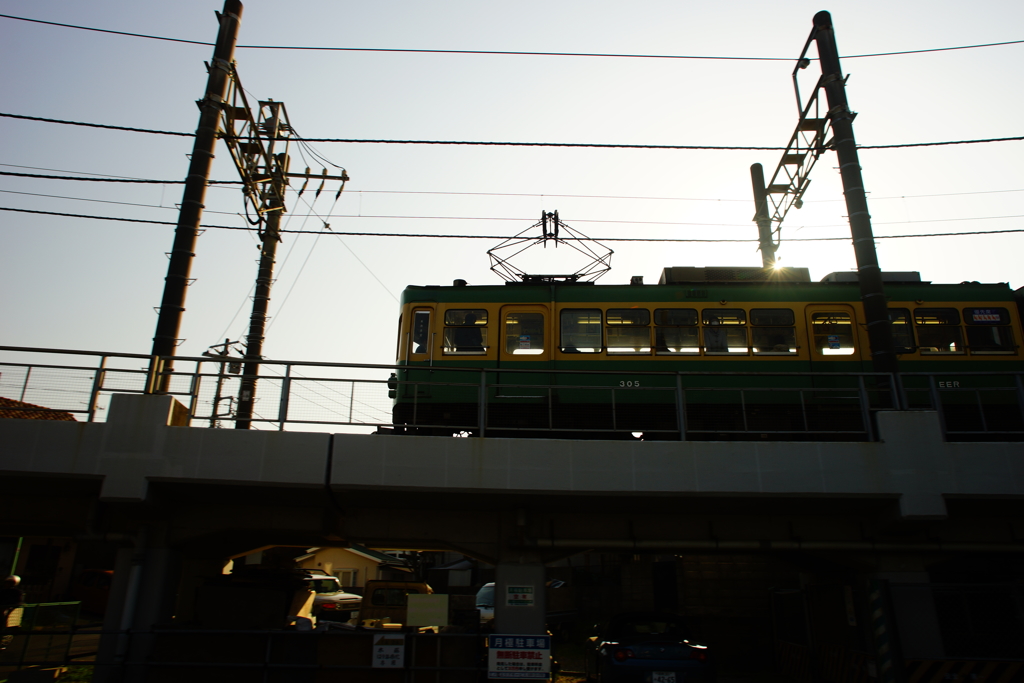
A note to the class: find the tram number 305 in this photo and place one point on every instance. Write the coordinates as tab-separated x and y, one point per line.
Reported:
629	383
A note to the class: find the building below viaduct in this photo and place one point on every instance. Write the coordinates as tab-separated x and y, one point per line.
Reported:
867	536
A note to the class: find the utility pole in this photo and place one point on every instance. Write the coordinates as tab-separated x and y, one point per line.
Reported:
872	294
252	141
764	222
173	303
227	362
274	202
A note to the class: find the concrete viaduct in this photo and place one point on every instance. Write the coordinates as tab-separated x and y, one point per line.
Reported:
180	501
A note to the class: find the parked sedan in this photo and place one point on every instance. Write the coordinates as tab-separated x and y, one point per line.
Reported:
647	647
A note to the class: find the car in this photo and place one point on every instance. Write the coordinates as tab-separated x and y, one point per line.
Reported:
647	647
330	601
485	603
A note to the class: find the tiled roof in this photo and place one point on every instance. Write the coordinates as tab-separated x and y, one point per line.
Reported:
18	410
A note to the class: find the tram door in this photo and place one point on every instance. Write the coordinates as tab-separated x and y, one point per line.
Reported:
525	344
417	349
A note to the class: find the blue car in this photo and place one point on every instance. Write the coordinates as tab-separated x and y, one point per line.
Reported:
647	647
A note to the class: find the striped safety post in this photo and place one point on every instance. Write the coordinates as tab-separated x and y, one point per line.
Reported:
882	632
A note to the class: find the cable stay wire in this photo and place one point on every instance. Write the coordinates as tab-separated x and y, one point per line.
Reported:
295	280
354	255
498	52
496	143
502	237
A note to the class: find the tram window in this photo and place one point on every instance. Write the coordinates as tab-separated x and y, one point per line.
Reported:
724	316
675	316
628	330
773	332
902	330
581	330
465	331
724	330
465	316
938	330
989	331
420	341
771	317
524	334
675	331
833	333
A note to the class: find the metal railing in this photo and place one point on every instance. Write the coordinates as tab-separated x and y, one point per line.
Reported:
505	402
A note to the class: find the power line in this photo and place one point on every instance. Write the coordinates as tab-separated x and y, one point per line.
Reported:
99	125
502	237
496	143
114	179
60	170
326	216
540	195
498	52
102	201
517	219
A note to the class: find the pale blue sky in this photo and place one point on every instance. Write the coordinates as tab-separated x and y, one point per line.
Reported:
75	283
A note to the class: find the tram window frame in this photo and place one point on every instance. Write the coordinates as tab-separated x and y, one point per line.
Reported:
773	324
458	338
533	333
730	321
900	337
625	325
671	336
595	318
937	329
419	334
818	332
996	324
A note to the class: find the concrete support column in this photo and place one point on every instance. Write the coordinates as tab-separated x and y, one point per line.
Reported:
120	611
519	597
154	606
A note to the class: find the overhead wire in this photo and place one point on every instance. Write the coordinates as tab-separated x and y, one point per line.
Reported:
223	183
502	237
499	52
496	143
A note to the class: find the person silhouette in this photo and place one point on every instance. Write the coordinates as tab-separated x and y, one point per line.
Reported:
468	339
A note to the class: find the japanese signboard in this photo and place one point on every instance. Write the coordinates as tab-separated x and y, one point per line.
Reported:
388	651
519	596
518	656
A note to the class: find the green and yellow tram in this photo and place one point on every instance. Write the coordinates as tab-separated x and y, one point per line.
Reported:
597	359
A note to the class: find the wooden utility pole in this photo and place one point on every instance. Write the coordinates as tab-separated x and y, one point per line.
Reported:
175	284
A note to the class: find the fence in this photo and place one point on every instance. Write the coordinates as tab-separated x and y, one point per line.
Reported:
505	402
259	655
45	635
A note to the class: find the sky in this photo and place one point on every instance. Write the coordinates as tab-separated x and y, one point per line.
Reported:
75	283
